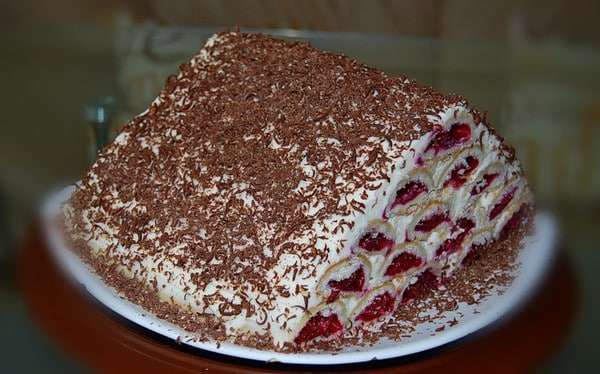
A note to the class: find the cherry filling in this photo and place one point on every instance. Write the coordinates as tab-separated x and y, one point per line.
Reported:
498	208
483	184
353	283
382	304
426	281
429	223
319	326
465	224
402	263
409	192
375	241
452	245
459	175
459	133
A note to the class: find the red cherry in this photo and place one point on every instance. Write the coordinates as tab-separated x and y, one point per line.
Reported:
409	192
375	241
382	304
403	262
448	247
431	222
353	283
465	224
319	326
499	207
457	134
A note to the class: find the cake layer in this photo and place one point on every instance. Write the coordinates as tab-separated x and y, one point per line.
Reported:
292	194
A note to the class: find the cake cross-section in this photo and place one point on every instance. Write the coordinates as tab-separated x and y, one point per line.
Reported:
275	195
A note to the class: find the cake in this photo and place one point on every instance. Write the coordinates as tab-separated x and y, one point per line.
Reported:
279	196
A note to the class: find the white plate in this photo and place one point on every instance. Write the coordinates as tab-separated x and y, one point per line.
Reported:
535	260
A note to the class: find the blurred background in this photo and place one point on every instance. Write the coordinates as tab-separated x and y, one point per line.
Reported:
533	65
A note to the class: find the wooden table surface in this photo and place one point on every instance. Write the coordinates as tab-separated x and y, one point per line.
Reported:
104	341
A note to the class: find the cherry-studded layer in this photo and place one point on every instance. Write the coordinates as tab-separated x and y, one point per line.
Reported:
420	237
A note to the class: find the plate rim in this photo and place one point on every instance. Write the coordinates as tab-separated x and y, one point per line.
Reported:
544	239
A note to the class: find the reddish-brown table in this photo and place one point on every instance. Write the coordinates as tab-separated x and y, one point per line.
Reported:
102	340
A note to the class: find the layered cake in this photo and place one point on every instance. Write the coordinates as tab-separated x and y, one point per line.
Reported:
278	195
